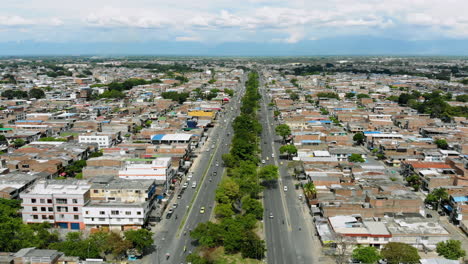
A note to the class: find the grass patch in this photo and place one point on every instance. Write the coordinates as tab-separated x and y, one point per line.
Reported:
218	256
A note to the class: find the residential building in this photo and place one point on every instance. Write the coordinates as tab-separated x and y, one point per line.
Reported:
57	202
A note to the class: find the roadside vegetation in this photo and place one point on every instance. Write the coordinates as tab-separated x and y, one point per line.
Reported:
238	208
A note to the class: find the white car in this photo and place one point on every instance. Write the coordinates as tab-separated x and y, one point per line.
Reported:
185	185
272	155
263	161
285	188
189	177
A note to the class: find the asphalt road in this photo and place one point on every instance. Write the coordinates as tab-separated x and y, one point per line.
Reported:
172	235
288	234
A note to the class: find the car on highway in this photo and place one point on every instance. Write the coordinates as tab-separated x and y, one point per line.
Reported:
202	210
271	215
272	155
194	184
263	161
217	164
215	173
169	213
189	177
179	196
212	146
264	142
285	188
174	206
185	185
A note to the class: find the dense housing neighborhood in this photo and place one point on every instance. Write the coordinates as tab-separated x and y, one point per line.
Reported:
233	160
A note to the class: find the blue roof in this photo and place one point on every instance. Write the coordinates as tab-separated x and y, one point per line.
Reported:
350	108
157	137
448	207
319	121
106	121
29	121
372	132
460	199
311	141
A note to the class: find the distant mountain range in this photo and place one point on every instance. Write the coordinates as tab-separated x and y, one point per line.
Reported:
330	46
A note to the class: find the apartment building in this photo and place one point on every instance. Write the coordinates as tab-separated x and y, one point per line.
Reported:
118	204
104	140
57	202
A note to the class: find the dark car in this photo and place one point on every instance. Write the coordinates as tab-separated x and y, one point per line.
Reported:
428	216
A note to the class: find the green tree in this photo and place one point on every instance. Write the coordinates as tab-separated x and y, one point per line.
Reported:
436	197
395	253
450	249
36	93
289	149
252	246
359	138
208	234
309	190
350	95
355	158
366	255
140	238
268	173
228	160
252	206
441	143
283	130
360	96
227	191
224	210
19	142
112	94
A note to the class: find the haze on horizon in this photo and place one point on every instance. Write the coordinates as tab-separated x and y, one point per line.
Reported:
221	27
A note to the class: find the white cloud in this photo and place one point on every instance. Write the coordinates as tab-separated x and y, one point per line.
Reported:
267	19
187	38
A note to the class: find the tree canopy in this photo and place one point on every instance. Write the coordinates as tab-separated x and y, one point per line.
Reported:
356	158
396	252
359	138
368	255
450	249
283	130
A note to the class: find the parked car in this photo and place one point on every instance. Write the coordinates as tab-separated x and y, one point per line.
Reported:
285	188
263	161
202	210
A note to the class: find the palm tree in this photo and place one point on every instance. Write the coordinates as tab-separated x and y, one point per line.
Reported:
309	190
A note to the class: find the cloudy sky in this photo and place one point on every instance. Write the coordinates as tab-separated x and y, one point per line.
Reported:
88	24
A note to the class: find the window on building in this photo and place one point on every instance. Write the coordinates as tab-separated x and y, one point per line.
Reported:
76	217
34	209
61	201
75	209
49	200
75	201
114	212
138	213
95	191
386	239
43	209
102	212
87	212
51	217
42	201
62	209
128	213
111	198
62	216
376	239
44	216
50	209
35	217
33	200
102	219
